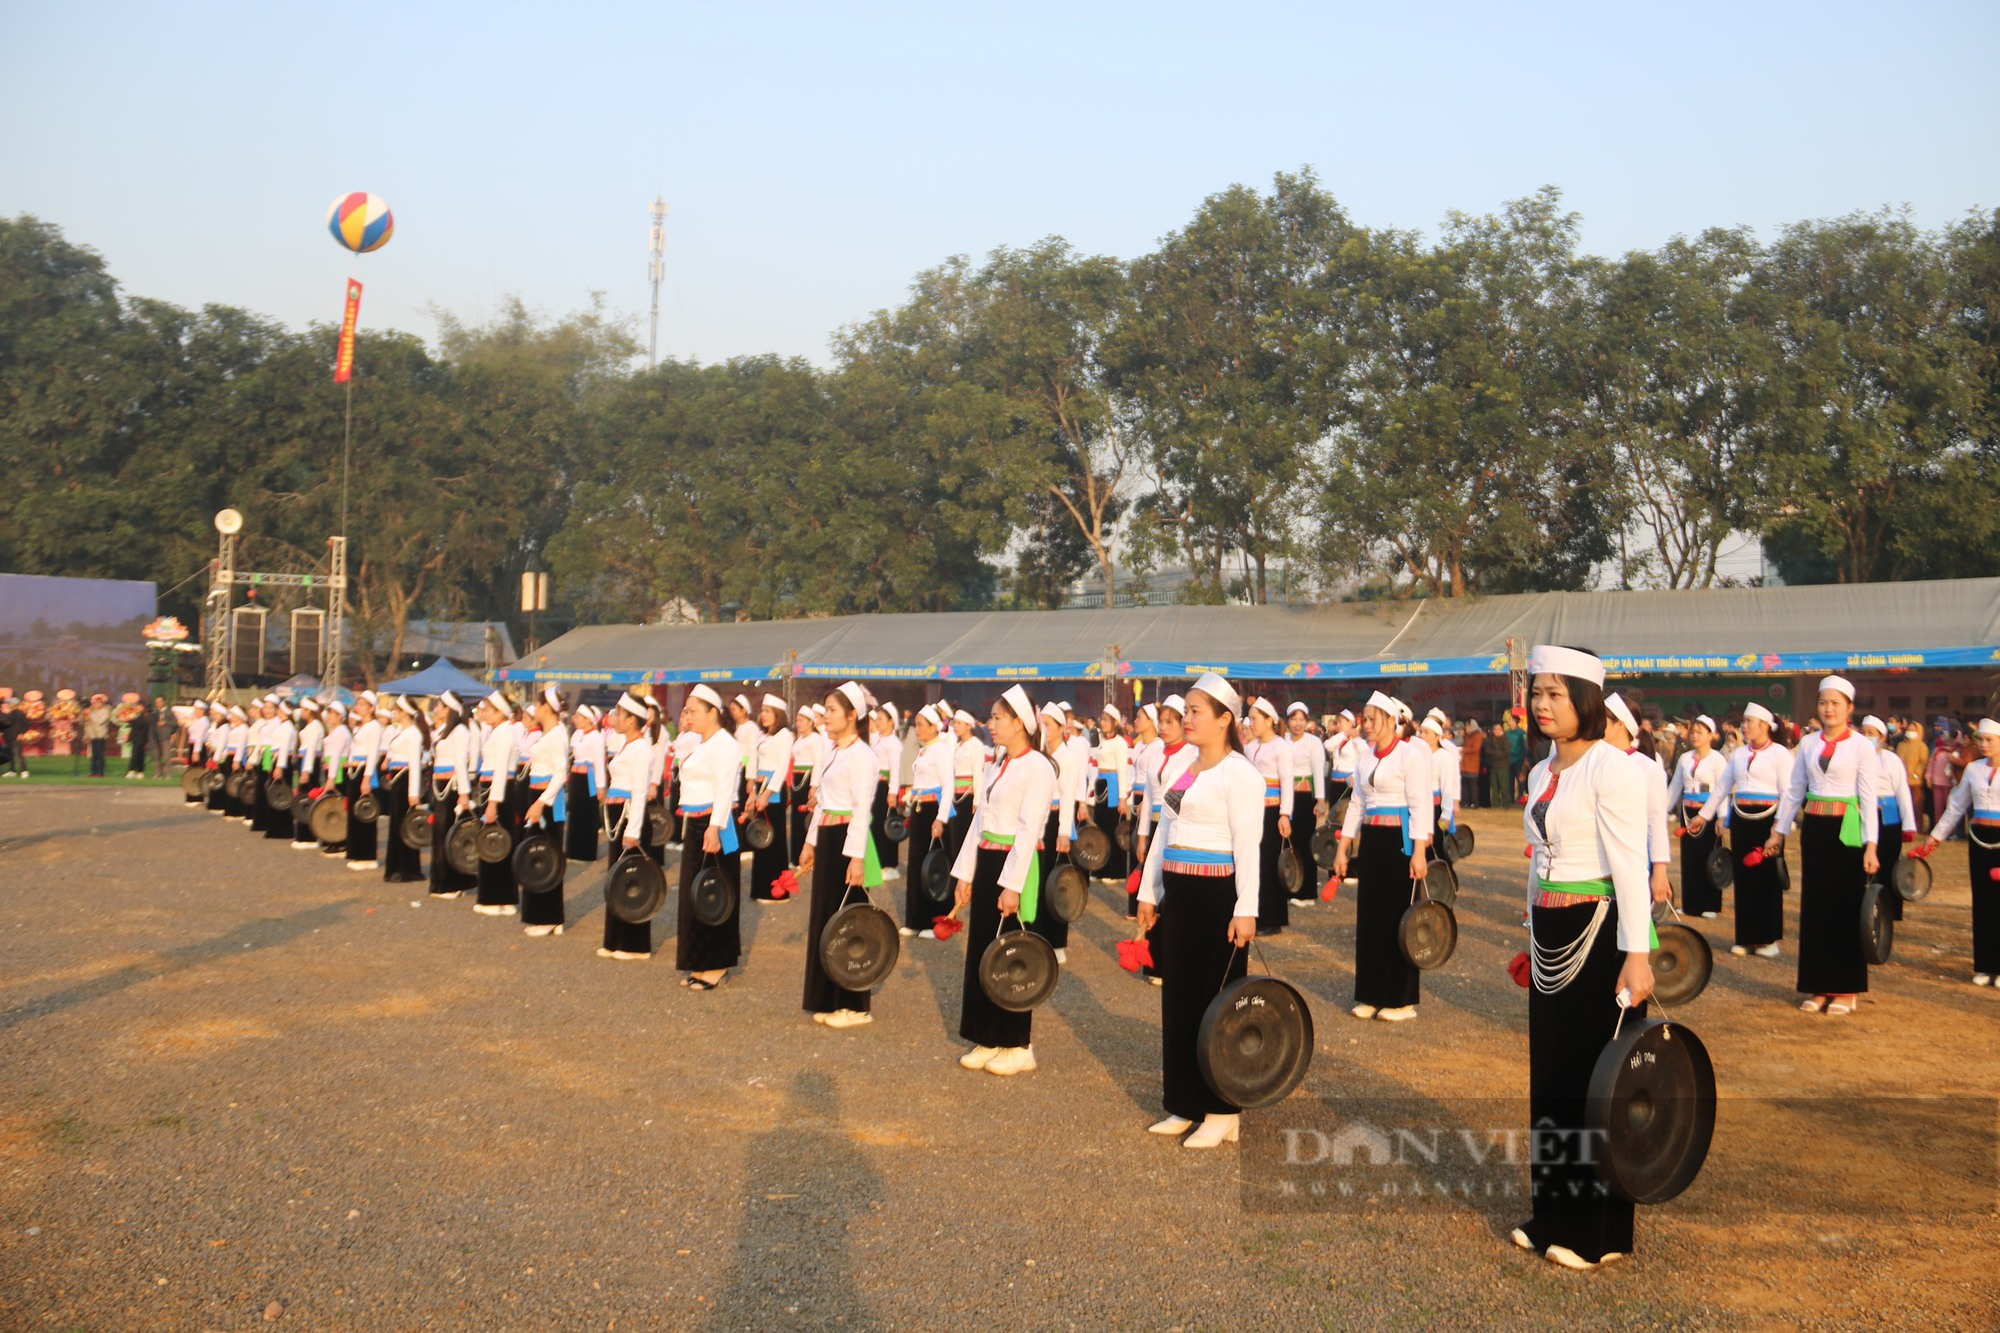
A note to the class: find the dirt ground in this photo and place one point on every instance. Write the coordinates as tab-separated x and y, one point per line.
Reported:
244	1084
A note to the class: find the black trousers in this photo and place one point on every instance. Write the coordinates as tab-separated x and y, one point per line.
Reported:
580	834
1274	908
1760	900
97	749
1698	892
623	936
1567	1031
830	892
1382	976
700	948
1830	885
1191	945
798	817
980	1021
1046	923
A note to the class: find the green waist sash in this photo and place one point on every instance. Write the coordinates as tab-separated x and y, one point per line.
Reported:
1591	888
1031	892
1850	819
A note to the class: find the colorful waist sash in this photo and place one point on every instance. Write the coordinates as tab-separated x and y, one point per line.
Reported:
1847	809
1197	861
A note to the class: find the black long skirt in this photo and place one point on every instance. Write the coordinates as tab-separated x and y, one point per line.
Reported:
1046	923
918	908
401	863
254	808
830	892
1982	862
1830	884
1887	852
766	865
1382	976
1191	945
496	878
700	948
1119	864
980	1021
301	804
546	907
445	879
580	831
961	822
215	800
1760	901
277	823
622	936
1304	815
1698	891
1567	1031
1274	906
798	816
885	847
361	839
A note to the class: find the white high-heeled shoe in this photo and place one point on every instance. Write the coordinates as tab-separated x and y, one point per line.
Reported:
1215	1130
1173	1124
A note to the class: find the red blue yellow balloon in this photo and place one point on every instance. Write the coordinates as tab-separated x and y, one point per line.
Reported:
361	222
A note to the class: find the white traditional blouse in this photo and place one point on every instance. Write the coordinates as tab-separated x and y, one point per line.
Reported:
496	761
710	774
1166	770
968	771
1114	765
1309	766
1659	843
774	764
1342	754
1977	794
1444	782
312	739
339	744
1893	792
630	776
365	750
931	775
888	757
548	758
1756	776
1273	759
586	756
1221	812
450	766
847	782
1072	763
1016	805
1594	829
1846	769
1695	778
1397	781
403	756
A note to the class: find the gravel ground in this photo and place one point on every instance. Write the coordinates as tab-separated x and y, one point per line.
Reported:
244	1086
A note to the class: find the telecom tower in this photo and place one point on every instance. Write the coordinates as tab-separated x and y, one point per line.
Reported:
656	246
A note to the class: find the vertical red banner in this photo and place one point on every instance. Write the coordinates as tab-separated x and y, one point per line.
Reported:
343	366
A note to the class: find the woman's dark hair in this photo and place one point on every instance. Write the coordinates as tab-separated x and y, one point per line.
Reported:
835	699
423	726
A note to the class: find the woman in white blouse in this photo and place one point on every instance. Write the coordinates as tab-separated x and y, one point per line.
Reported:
452	762
333	763
888	749
402	788
499	757
1199	896
1308	797
586	785
929	815
1899	817
709	781
806	752
1696	776
626	797
770	776
1386	834
548	801
1069	805
1836	782
999	875
1746	800
837	849
1271	754
1976	800
968	774
1112	787
1586	828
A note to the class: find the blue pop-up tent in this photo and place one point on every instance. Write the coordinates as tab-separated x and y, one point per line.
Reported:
435	679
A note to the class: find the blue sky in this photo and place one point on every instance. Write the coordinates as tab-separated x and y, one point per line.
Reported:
817	156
